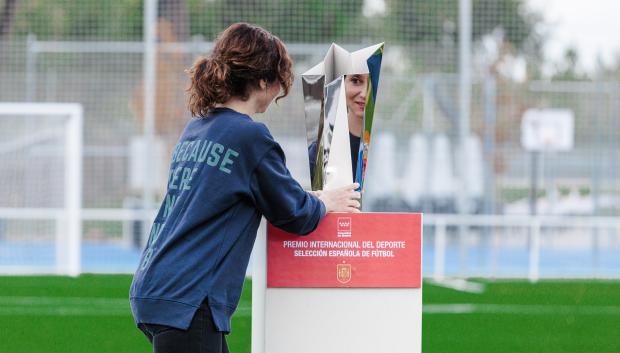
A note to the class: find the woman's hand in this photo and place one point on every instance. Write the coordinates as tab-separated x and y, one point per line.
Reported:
316	193
344	199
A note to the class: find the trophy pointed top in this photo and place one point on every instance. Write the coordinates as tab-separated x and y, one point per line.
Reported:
338	62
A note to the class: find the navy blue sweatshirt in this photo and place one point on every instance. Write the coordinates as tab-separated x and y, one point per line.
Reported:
226	172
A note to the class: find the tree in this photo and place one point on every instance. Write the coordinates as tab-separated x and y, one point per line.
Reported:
291	20
433	20
6	22
176	13
173	25
406	22
6	18
567	69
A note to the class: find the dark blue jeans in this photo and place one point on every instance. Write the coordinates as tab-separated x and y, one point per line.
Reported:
201	337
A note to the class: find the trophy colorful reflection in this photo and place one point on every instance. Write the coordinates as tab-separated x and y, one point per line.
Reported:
340	89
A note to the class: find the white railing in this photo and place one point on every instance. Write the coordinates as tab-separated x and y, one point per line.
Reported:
532	227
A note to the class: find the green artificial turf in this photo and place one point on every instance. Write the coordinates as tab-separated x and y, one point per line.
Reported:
91	314
518	316
88	314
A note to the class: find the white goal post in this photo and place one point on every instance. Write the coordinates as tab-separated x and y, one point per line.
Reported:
67	218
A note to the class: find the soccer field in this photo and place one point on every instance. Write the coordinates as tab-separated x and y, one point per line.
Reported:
91	314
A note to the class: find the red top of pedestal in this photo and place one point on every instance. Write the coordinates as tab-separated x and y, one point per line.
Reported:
350	250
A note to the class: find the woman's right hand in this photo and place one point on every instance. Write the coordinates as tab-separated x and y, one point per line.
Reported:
344	199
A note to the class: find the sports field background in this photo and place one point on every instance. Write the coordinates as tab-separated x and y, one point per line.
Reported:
96	53
91	314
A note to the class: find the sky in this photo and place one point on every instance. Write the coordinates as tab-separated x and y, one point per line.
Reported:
591	26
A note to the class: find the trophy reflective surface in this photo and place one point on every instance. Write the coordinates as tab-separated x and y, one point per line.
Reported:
335	158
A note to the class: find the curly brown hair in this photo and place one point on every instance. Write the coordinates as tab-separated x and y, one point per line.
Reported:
243	55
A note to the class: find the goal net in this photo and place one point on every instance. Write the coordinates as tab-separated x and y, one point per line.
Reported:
40	188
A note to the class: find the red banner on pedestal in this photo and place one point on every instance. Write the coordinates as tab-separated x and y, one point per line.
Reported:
357	250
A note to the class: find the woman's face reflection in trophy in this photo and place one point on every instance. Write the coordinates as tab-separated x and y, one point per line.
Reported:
356	87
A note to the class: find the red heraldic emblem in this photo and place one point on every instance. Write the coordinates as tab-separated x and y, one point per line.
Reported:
366	250
344	273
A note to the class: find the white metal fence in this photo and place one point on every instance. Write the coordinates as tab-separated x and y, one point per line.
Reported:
589	237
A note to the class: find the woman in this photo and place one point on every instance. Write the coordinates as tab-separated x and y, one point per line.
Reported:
355	87
226	172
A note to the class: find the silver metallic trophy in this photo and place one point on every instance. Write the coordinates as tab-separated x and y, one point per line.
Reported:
334	161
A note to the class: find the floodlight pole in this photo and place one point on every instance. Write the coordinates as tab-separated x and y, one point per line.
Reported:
149	81
464	91
463	122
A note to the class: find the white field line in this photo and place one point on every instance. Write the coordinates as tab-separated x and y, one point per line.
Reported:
460	285
84	306
524	309
73	306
